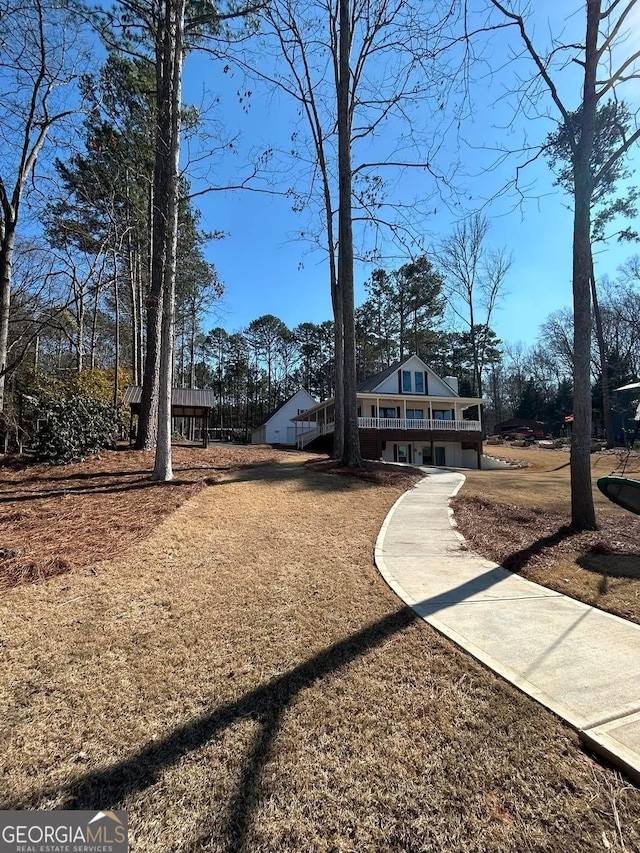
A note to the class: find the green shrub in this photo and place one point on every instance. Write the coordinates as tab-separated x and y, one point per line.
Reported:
75	424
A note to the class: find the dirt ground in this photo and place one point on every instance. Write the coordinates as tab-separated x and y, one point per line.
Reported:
521	518
241	679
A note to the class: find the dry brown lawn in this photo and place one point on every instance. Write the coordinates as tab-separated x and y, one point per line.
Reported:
521	518
57	518
241	679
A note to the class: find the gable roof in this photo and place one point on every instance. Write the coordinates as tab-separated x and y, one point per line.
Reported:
281	406
372	382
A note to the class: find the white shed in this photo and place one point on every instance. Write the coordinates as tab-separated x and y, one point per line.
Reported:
278	428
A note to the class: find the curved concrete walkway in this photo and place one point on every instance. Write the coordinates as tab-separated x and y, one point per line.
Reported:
578	661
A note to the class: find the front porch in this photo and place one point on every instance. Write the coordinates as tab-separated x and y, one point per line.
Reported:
440	424
427	427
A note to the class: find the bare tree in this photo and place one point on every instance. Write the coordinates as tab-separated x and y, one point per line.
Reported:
364	83
606	63
40	297
556	335
38	65
474	278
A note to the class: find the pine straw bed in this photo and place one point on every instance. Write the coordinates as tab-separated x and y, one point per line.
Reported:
521	519
243	680
600	567
57	518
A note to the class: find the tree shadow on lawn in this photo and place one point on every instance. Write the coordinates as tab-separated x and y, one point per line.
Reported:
604	562
106	489
89	476
329	476
108	788
314	478
93	484
520	559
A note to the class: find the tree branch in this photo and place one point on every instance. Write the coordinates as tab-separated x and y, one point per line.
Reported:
519	22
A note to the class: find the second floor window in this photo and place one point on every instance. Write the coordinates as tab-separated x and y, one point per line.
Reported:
387	412
413	382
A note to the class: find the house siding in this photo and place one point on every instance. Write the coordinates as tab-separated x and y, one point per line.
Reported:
277	430
433	384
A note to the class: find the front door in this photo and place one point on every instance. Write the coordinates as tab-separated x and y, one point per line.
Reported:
402	453
440	456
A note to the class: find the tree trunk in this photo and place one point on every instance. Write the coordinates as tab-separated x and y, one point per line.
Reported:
351	452
7	245
141	336
338	361
336	297
148	420
162	469
604	361
149	406
80	332
171	100
401	321
132	269
181	348
94	327
116	301
192	351
582	508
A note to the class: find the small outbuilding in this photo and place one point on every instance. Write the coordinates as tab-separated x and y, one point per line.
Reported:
278	428
191	404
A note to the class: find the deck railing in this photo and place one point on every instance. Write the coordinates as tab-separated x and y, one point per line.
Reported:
419	423
394	423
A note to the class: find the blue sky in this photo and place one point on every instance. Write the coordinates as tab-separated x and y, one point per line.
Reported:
266	270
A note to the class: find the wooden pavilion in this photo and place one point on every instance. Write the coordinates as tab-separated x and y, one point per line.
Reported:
192	404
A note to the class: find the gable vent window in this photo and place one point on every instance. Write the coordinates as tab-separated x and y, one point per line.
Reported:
419	379
406	381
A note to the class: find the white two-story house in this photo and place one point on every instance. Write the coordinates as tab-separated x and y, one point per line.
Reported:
406	413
